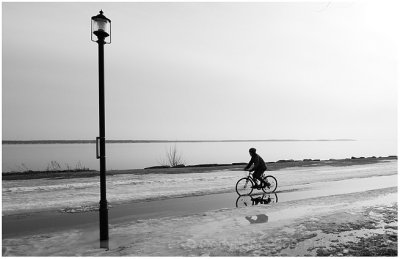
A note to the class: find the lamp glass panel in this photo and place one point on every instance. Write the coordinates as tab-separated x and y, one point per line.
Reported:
101	25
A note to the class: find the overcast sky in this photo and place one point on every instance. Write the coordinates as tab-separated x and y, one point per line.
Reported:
177	71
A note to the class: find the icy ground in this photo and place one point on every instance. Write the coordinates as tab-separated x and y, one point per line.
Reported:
23	196
334	225
344	224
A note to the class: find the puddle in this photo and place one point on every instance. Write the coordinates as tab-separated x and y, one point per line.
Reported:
320	189
340	187
256	199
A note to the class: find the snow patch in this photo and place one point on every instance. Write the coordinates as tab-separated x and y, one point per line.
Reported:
44	194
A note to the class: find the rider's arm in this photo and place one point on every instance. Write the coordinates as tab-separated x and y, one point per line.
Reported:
256	161
249	164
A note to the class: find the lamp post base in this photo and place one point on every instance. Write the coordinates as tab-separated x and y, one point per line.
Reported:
103	224
104	244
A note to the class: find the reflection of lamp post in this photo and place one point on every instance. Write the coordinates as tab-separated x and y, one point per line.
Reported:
101	27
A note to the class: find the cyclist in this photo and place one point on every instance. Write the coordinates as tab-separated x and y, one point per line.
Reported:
259	167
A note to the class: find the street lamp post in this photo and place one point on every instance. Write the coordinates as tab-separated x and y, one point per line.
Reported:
101	28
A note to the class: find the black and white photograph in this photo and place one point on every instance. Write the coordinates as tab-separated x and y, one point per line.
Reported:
191	129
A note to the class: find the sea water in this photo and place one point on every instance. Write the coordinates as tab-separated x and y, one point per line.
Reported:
22	157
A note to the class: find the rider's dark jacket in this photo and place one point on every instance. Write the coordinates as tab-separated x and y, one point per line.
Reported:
259	164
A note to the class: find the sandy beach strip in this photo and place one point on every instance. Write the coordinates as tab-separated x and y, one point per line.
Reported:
271	166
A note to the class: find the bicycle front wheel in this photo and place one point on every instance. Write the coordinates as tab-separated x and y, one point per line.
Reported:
243	201
270	184
244	186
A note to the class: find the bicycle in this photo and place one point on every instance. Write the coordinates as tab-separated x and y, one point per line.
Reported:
245	185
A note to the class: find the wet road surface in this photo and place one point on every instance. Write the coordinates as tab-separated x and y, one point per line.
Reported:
43	222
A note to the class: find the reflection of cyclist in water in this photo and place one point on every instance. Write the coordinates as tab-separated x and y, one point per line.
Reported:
257	199
259	167
260	200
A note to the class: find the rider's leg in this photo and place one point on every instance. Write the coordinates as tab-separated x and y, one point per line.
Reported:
257	176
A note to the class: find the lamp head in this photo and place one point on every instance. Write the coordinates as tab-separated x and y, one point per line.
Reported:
101	28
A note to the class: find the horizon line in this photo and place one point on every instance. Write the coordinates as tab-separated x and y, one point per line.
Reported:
162	141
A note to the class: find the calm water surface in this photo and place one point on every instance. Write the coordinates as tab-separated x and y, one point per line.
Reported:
140	155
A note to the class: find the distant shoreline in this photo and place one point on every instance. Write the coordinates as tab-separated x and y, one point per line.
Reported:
22	142
201	168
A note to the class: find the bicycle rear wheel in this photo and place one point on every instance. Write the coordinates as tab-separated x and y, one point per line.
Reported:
244	186
271	184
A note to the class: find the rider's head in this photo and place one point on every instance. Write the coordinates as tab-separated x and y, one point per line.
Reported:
252	151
